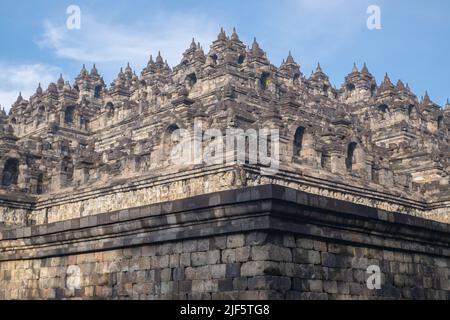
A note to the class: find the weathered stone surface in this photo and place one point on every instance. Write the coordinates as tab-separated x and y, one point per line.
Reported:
77	150
93	207
285	261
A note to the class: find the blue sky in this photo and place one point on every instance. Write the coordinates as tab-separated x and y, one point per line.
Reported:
413	44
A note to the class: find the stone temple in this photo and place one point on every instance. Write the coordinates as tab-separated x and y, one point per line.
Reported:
91	207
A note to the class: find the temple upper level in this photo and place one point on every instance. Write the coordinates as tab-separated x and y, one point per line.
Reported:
381	136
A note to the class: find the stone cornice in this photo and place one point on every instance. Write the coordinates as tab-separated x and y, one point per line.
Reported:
271	207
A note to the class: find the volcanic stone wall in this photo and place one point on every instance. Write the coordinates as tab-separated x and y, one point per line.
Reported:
266	242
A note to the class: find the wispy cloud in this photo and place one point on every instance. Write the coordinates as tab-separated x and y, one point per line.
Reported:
313	29
318	29
24	78
106	42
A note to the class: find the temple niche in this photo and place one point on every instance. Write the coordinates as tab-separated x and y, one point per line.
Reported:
304	146
10	174
375	136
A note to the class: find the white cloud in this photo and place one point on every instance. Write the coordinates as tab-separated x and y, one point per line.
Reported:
316	29
105	42
109	45
24	78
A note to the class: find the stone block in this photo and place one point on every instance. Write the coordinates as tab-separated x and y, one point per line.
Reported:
307	244
163	261
225	285
256	239
330	287
185	260
257	268
174	260
185	286
306	256
219	271
198	286
166	274
190	273
271	252
343	288
235	241
289	241
203	273
243	254
240	284
213	257
198	259
233	270
218	243
229	296
320	246
280	284
329	260
169	287
178	274
229	256
190	246
315	285
203	245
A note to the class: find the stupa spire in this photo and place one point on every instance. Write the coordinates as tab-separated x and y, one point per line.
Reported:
222	35
234	35
290	59
318	68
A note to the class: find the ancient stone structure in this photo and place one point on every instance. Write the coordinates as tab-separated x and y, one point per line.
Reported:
92	206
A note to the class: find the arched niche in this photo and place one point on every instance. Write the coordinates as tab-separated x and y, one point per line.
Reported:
265	80
40	184
383	110
110	110
191	80
69	115
325	160
98	91
40	117
303	145
440	122
10	174
351	157
241	59
172	137
214	58
298	142
350	87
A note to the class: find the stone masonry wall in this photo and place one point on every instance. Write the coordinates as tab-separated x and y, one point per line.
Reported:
243	266
257	243
159	188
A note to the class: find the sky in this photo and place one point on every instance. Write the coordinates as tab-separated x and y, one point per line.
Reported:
412	45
